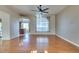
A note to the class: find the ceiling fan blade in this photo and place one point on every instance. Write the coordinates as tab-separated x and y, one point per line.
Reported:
45	9
35	10
45	12
38	8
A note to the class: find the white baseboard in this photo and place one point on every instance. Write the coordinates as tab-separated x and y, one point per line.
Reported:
68	40
42	33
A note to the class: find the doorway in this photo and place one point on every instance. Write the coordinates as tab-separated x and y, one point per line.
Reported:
0	28
24	27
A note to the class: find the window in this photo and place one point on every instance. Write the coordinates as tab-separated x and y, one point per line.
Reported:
42	24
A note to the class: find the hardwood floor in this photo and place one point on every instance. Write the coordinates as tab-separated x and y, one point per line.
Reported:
37	44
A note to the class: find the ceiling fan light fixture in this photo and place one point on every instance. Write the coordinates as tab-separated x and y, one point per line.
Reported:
41	9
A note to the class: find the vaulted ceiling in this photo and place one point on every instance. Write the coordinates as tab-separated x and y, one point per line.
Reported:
27	9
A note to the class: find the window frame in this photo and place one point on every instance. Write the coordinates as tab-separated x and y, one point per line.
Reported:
43	31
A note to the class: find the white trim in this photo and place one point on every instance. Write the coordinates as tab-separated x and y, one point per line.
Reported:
39	34
42	33
68	40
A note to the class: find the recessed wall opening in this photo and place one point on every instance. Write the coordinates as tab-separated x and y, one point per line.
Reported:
42	23
0	28
24	27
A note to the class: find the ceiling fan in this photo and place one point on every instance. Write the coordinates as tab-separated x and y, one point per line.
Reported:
41	9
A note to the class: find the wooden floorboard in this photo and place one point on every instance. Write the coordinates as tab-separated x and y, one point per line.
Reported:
37	44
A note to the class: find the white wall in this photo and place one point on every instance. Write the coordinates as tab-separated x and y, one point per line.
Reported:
5	25
67	24
51	25
14	26
10	23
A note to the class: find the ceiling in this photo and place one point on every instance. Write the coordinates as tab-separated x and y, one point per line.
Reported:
27	9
